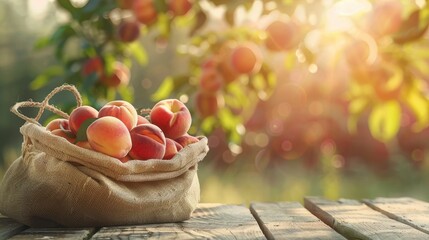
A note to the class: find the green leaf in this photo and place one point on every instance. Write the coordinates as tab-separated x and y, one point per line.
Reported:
419	104
200	20
139	52
160	6
208	124
170	85
126	93
66	5
42	43
414	27
357	105
43	79
385	120
81	133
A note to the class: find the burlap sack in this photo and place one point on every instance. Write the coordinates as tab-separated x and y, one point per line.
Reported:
55	182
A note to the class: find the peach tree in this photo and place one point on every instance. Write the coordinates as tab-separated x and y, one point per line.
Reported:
292	78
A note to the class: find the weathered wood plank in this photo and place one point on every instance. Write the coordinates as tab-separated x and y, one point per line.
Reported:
9	227
209	221
55	233
355	220
410	211
290	220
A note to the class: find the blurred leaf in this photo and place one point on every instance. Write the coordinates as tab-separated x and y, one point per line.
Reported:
227	119
164	25
208	124
42	43
43	79
200	20
419	104
357	105
66	5
139	52
413	27
168	86
91	6
160	6
229	15
62	33
126	93
90	81
290	60
385	120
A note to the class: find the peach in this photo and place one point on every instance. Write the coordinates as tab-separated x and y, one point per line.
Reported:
172	116
119	76
207	104
84	144
282	35
148	142
179	7
58	123
80	115
172	147
125	159
226	70
125	4
67	134
121	110
128	31
210	80
93	65
246	58
110	136
141	120
386	18
144	11
186	139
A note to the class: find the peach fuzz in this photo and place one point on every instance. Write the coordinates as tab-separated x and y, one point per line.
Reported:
58	123
172	116
187	139
110	136
121	110
172	147
67	134
79	115
148	142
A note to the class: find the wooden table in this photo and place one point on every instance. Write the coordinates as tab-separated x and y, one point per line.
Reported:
381	218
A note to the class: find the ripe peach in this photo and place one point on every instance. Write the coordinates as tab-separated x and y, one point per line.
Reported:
125	4
226	70
141	120
110	136
144	11
120	76
67	134
210	80
207	104
246	58
172	147
282	35
186	139
58	123
125	159
172	116
84	144
386	18
79	115
148	142
128	31
121	110
93	65
179	7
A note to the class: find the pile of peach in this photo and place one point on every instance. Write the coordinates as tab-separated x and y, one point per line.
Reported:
119	131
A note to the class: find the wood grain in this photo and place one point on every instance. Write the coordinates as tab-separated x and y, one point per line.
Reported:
55	233
209	221
412	212
355	220
290	220
9	227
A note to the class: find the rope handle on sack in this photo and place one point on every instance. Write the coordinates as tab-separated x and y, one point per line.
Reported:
45	104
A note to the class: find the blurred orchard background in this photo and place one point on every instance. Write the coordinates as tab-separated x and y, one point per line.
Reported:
305	97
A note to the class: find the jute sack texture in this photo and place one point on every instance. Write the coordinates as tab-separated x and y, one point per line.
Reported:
56	183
